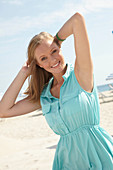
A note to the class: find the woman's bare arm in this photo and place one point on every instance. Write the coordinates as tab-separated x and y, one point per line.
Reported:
20	108
8	107
83	63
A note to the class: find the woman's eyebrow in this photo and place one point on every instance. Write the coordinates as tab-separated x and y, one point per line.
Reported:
52	49
41	56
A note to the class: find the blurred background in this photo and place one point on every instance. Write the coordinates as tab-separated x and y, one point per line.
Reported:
20	20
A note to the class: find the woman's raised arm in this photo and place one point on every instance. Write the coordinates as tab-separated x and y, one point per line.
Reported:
83	63
8	107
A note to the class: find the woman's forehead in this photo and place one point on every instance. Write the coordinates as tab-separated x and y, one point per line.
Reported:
44	47
46	44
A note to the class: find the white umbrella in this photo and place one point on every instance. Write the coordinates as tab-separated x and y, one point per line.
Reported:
110	77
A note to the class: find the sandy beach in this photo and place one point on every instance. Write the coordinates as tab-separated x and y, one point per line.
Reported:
27	142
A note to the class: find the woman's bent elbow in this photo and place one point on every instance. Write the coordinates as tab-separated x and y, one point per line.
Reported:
78	16
1	115
1	112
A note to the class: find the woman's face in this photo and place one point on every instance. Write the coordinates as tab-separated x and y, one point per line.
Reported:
49	56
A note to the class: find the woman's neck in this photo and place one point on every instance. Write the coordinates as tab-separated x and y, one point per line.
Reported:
58	79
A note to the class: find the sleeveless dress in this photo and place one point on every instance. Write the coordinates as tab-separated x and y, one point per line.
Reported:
83	144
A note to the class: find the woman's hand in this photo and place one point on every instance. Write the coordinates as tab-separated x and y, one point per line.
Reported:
26	68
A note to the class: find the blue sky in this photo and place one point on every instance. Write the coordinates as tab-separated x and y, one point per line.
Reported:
20	20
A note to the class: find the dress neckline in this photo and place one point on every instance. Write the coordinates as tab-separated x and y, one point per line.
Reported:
52	79
46	91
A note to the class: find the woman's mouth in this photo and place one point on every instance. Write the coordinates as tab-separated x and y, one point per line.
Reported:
56	65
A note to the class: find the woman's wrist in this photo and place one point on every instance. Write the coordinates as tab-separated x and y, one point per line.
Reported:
23	73
59	39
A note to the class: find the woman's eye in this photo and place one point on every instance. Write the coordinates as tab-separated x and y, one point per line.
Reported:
43	58
54	51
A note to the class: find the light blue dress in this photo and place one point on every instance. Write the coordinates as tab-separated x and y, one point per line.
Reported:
83	144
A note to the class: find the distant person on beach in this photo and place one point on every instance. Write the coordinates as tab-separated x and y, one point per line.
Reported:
68	97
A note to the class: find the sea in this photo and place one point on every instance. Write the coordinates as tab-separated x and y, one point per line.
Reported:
100	88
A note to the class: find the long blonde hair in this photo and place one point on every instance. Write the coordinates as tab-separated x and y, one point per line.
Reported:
39	77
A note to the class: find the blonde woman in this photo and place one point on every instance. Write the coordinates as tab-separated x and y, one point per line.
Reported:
68	98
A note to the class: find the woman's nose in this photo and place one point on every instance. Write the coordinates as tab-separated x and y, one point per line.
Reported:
52	59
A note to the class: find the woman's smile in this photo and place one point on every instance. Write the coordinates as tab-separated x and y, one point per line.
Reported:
56	65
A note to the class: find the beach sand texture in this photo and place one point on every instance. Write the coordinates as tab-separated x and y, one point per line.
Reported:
27	142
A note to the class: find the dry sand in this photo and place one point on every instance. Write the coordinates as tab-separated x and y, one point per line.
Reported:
27	142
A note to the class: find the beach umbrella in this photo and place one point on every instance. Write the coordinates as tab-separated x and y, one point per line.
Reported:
110	77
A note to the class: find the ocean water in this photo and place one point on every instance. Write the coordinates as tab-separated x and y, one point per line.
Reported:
100	88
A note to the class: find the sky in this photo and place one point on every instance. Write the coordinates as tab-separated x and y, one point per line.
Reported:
20	20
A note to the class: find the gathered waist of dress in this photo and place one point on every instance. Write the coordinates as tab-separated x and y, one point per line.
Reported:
80	128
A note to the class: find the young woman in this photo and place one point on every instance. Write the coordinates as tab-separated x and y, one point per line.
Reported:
68	98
